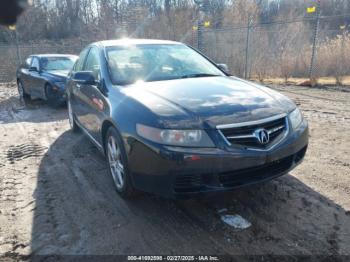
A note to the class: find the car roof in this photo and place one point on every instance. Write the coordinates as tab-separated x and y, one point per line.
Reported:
52	55
128	41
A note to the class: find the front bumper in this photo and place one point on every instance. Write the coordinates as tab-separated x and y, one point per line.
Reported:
176	172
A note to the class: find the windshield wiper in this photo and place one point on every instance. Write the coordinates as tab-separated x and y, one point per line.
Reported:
198	75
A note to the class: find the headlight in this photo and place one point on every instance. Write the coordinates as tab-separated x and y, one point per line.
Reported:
184	138
296	118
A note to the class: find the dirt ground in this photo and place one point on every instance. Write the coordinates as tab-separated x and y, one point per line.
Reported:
299	81
56	196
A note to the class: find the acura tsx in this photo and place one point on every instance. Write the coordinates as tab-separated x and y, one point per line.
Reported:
172	122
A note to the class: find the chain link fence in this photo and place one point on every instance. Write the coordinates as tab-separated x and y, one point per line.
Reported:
258	52
282	49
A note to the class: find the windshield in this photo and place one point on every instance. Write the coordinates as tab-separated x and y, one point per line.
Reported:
130	64
57	63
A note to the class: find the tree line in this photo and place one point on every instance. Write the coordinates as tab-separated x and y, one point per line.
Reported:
168	19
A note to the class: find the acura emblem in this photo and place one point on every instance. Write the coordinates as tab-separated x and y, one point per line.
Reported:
263	136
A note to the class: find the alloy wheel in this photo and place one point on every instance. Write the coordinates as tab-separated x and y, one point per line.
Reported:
115	163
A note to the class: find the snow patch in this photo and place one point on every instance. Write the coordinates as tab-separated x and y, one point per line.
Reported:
236	221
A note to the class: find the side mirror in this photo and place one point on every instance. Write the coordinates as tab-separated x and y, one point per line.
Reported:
223	67
84	78
33	69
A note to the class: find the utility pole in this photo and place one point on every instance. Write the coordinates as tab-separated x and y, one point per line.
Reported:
314	45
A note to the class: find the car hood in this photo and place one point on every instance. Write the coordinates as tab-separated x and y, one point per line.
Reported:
210	101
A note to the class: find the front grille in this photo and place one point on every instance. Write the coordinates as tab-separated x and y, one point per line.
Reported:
245	135
255	174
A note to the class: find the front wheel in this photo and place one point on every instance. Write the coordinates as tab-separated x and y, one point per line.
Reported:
117	162
23	96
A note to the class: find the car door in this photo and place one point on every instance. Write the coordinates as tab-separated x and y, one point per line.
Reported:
91	98
75	99
35	80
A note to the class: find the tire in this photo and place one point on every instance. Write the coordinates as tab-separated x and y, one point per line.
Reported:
118	165
73	125
23	96
52	99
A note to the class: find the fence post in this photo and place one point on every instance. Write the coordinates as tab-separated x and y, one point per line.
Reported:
19	58
247	48
314	45
199	35
342	63
193	36
201	12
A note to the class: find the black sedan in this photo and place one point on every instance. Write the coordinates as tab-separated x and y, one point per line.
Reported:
172	122
45	76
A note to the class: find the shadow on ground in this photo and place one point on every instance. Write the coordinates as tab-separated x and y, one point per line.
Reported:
79	212
13	110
